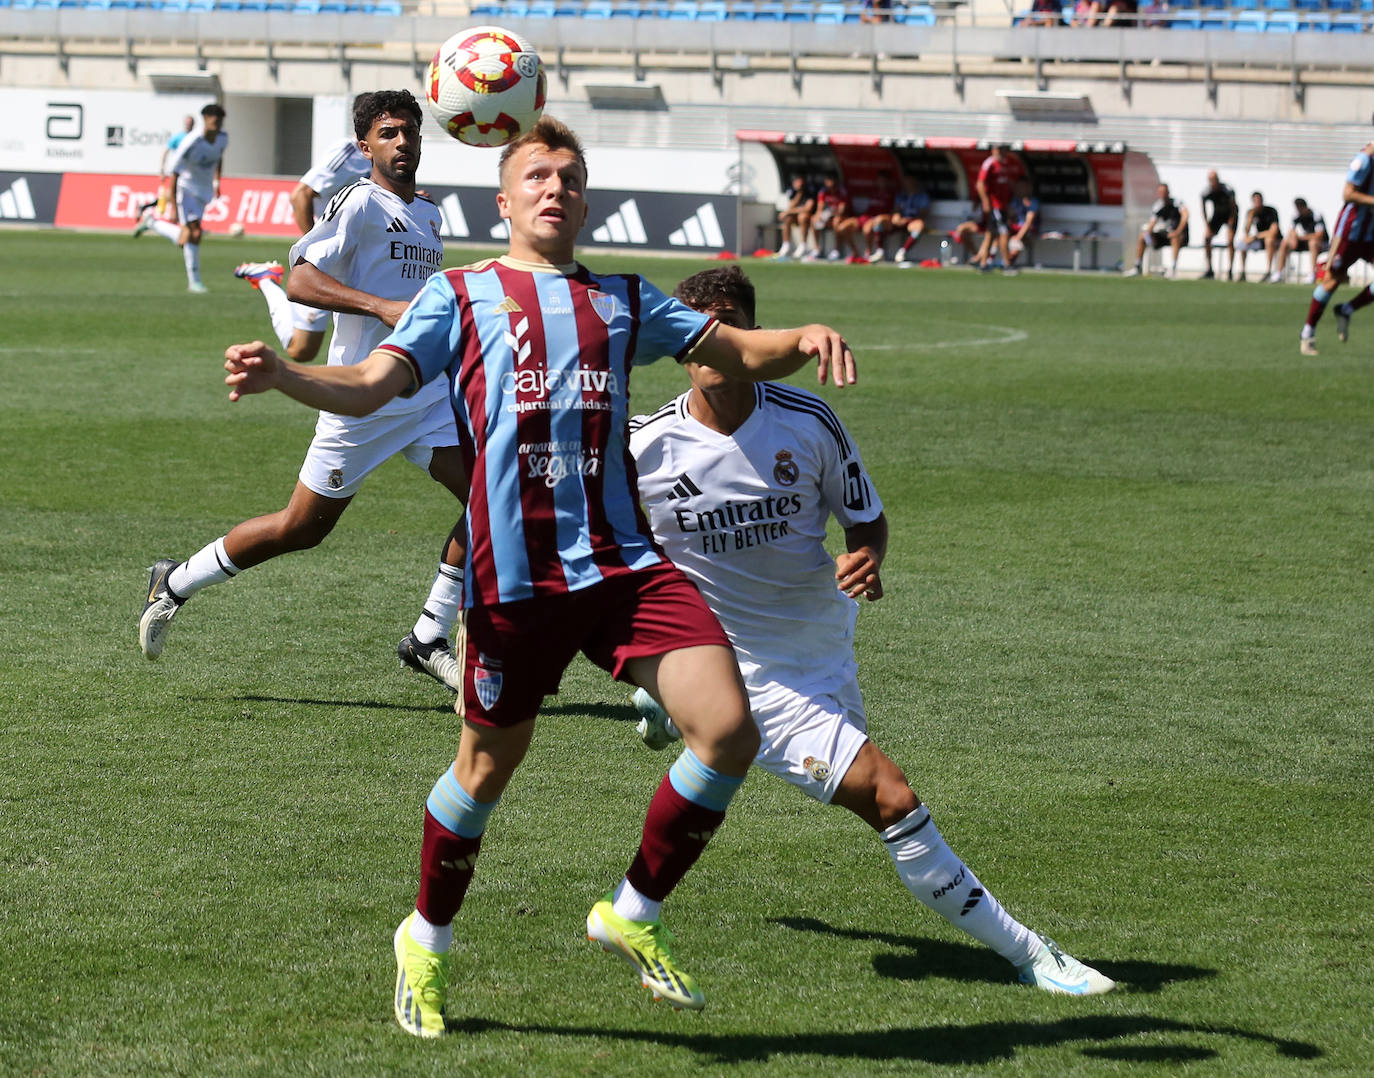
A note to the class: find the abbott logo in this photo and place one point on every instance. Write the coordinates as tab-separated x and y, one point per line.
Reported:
16	204
66	121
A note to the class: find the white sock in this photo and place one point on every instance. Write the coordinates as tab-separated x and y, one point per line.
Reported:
432	937
442	607
191	254
935	875
166	230
209	565
279	309
633	906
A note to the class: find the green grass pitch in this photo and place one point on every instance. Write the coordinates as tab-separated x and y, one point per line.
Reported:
1125	654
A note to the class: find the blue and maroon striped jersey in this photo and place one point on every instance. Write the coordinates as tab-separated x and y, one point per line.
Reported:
539	362
1355	222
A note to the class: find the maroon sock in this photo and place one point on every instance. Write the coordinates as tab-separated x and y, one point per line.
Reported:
1364	299
675	832
1316	309
446	864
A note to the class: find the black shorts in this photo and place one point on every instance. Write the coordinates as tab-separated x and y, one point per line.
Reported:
1217	222
1160	240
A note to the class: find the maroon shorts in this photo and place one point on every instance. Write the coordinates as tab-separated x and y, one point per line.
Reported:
1345	253
516	652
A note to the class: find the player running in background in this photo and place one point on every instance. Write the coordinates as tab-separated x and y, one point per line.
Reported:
1261	233
539	350
1309	230
365	259
994	197
1167	227
738	481
166	188
196	167
300	328
1219	210
1352	240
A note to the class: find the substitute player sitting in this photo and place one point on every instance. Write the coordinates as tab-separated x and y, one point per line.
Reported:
738	481
301	328
1309	231
538	350
365	258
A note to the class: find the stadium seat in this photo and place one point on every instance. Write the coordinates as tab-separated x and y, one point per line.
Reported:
829	12
1223	4
568	9
1215	20
1248	22
597	9
541	9
799	11
914	15
488	10
769	11
713	11
1315	23
1282	22
1186	19
1347	24
684	10
1340	5
1245	5
385	7
1310	5
1279	5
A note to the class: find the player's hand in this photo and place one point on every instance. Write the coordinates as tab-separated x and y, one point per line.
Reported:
390	311
252	367
857	574
834	360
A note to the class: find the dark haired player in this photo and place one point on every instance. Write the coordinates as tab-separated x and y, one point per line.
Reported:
1261	233
1352	240
364	259
1167	227
739	481
1309	230
538	350
195	168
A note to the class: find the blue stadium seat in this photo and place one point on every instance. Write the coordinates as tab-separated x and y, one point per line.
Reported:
488	10
597	9
742	9
1245	5
568	9
306	7
769	11
713	11
1311	5
686	10
517	9
385	7
1186	19
1282	22
541	9
1214	3
1347	24
914	15
1250	22
830	12
799	11
1340	5
1215	20
1279	5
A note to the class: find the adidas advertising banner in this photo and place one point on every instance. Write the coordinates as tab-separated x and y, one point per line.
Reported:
90	131
653	220
29	196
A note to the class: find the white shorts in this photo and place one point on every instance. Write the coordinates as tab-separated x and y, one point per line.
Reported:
191	203
810	739
310	319
346	450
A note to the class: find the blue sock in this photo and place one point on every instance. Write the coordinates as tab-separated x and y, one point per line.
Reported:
456	809
700	784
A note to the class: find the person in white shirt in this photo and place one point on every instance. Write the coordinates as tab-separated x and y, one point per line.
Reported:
738	481
196	166
365	259
300	328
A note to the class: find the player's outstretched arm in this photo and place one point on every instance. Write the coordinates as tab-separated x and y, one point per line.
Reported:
357	390
310	285
762	355
857	570
303	206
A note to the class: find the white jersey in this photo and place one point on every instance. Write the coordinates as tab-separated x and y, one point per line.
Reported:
344	163
744	515
195	160
371	239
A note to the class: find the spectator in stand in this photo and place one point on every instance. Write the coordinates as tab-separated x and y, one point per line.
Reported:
876	11
1025	221
909	211
877	218
1262	233
1119	13
1085	13
795	219
1309	228
832	209
1044	13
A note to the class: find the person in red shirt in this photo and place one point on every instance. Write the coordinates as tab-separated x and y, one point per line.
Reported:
994	195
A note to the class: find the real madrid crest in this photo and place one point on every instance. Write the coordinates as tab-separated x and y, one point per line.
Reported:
785	469
335	480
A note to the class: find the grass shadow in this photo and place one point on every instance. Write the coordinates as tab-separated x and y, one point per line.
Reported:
968	962
981	1043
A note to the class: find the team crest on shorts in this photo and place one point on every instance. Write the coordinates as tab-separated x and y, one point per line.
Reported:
785	469
603	303
335	479
817	769
488	686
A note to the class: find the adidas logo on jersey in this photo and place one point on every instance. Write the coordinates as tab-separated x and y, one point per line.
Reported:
16	204
623	226
397	225
702	229
683	488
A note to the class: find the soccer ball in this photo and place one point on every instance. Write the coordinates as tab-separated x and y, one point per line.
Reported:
236	229
485	86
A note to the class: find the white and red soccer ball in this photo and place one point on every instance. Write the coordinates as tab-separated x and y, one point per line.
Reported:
485	86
